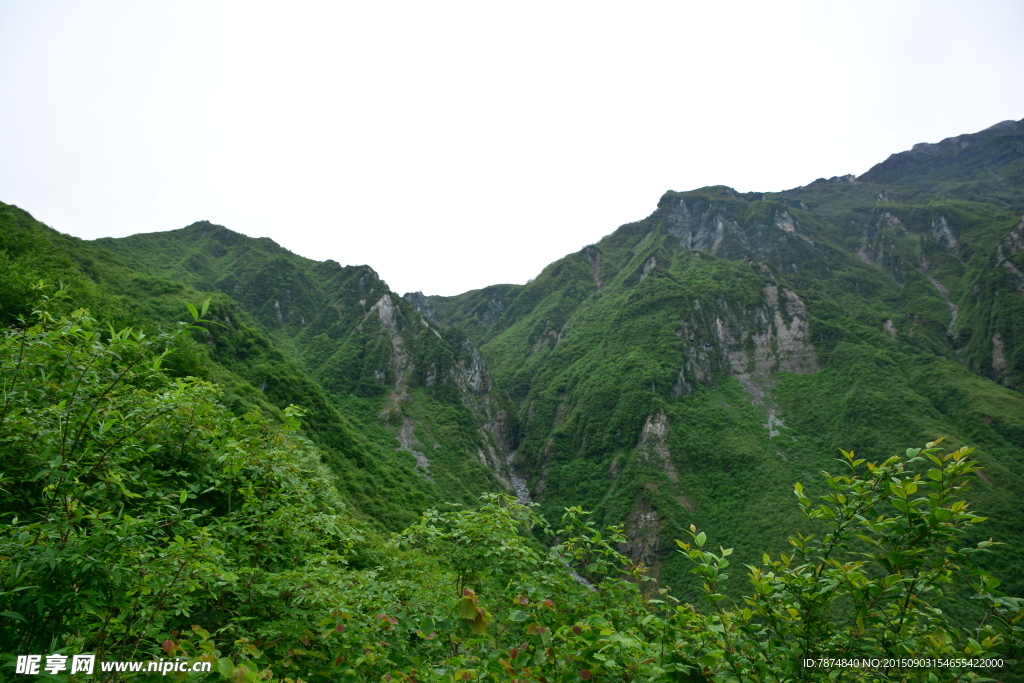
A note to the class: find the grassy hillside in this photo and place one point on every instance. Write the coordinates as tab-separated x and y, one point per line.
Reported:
690	366
676	378
252	368
685	369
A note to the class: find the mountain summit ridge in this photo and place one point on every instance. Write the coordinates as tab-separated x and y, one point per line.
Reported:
881	273
992	155
685	369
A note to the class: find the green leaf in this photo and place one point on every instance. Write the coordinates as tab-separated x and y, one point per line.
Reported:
206	306
478	625
467	609
710	659
701	538
182	497
225	667
193	311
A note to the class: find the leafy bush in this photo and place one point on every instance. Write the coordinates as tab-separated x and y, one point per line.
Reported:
866	586
134	502
140	518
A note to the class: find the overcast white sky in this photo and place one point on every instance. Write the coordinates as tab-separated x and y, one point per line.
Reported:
452	145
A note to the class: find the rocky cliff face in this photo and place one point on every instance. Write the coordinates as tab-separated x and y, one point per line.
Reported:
422	305
748	343
420	356
1008	249
733	227
644	521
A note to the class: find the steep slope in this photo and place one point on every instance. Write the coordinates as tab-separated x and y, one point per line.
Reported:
254	371
689	367
409	383
987	166
686	369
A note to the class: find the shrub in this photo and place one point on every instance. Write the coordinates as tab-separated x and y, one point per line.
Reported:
866	587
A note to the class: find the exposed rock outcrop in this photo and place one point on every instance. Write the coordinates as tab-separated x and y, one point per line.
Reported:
643	529
644	521
649	265
408	442
422	305
942	234
470	374
954	310
1000	370
698	231
652	449
752	344
879	248
1011	244
785	222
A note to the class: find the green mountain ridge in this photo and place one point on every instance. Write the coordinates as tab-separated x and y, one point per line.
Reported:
375	357
732	342
251	369
685	369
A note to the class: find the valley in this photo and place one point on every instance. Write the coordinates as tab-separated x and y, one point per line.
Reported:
687	369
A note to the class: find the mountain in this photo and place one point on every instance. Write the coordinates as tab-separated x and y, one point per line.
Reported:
686	369
353	389
375	357
689	367
986	166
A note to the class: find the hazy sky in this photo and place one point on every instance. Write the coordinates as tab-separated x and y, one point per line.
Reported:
452	145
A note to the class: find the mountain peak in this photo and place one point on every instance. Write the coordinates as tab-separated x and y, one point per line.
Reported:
957	164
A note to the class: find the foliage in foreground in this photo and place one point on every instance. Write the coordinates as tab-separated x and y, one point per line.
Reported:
140	520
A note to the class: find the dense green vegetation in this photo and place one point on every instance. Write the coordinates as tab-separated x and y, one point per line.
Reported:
255	370
372	356
162	493
143	521
767	331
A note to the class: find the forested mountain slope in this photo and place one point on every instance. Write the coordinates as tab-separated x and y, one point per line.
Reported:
689	367
374	356
389	481
682	377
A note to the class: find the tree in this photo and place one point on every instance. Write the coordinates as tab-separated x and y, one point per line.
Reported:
866	587
135	505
